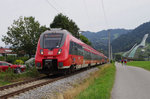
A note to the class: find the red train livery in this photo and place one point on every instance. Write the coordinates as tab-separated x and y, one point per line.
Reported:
59	51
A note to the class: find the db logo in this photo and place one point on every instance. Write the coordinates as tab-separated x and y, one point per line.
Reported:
50	53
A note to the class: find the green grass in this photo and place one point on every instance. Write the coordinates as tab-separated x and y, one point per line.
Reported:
9	76
142	64
102	86
2	82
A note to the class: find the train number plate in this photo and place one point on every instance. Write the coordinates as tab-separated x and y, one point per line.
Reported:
50	52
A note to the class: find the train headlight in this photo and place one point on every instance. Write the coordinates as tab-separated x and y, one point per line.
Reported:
41	51
59	51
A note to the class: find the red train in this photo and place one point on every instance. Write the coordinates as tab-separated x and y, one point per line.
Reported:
59	51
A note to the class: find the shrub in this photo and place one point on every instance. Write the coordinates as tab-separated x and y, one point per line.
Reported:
32	72
30	62
24	59
2	58
10	59
18	62
10	76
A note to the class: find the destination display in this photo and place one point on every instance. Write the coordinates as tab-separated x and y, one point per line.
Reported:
53	35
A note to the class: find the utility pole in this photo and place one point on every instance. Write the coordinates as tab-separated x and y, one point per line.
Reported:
109	46
111	54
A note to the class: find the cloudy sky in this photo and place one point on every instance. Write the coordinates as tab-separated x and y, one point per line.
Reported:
88	14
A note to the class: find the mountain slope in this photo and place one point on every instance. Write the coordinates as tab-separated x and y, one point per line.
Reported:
100	39
126	41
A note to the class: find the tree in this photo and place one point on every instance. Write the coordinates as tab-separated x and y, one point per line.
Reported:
61	21
84	39
23	35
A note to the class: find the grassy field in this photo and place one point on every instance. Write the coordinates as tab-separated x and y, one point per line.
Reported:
9	76
101	87
142	64
98	86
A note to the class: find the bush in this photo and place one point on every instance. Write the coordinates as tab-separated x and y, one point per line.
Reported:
32	72
2	58
10	59
10	76
18	62
24	59
30	62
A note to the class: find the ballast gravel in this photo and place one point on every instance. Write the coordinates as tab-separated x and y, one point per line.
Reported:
9	90
51	90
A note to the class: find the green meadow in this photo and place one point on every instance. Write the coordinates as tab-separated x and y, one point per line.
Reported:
101	86
142	64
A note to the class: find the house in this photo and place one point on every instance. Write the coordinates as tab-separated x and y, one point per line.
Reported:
6	51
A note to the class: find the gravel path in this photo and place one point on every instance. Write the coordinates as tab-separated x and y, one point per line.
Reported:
131	83
60	86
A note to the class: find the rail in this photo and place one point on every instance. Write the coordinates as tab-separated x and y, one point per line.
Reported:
11	94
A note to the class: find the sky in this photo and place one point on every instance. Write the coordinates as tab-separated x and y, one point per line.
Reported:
91	15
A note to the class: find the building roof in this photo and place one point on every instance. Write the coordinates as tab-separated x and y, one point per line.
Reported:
5	51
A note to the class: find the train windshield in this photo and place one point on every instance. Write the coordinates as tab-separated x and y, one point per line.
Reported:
52	40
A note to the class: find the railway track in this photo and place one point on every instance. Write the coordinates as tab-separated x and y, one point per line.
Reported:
20	83
40	82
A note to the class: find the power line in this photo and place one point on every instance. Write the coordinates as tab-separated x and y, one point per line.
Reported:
52	6
60	7
86	10
105	18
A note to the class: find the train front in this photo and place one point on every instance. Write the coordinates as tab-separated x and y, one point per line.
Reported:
51	51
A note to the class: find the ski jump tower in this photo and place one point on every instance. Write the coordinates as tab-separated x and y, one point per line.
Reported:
134	48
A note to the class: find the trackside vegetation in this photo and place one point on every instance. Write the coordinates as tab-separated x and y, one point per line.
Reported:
97	86
9	76
101	86
142	64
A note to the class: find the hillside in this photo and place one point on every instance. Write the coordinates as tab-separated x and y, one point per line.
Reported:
143	53
100	39
126	41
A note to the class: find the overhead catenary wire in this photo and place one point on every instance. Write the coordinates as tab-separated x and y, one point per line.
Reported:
52	6
86	11
106	22
62	11
104	13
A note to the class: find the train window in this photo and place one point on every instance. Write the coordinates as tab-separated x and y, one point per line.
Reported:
71	47
52	40
87	55
95	57
75	49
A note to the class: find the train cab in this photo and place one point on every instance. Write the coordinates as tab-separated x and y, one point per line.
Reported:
52	50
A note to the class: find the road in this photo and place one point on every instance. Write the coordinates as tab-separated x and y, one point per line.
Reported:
131	83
